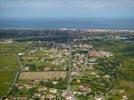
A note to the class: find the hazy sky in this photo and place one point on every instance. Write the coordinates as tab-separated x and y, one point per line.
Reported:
66	8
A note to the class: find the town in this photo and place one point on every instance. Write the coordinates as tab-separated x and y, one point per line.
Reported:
66	64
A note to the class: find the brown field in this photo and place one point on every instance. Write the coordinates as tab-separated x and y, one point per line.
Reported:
42	75
127	83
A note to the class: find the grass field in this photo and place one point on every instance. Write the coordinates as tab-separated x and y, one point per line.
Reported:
8	69
6	78
8	61
12	48
9	64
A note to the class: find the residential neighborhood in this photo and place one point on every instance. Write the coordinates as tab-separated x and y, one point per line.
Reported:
76	69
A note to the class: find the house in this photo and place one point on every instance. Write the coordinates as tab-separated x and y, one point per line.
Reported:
28	86
50	97
68	95
41	89
42	98
95	53
85	89
37	95
22	98
92	59
26	68
124	97
107	76
77	93
99	98
52	90
19	86
54	82
20	54
75	73
46	69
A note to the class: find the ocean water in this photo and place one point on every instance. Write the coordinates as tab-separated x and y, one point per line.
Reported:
83	23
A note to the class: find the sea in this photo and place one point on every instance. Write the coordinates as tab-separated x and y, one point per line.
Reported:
70	23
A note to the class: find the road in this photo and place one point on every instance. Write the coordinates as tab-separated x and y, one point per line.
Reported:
17	74
69	69
69	91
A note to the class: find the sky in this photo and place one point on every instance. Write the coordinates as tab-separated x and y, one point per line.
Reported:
66	8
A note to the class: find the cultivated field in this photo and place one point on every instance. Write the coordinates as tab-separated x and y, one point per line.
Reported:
42	75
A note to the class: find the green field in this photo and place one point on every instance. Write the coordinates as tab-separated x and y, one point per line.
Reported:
8	61
8	64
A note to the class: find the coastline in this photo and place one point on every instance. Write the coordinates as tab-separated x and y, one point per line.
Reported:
74	29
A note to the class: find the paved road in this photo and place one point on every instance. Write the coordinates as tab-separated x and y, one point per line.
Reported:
69	75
